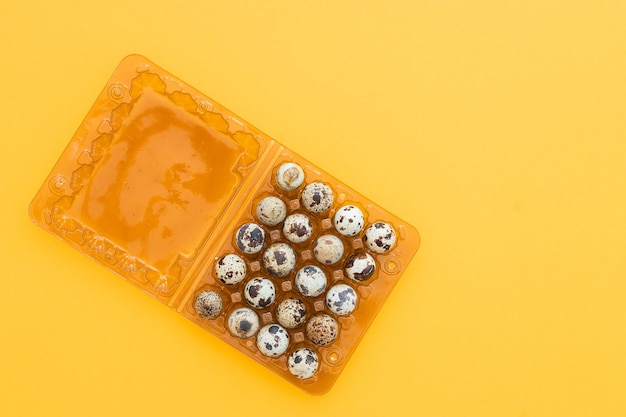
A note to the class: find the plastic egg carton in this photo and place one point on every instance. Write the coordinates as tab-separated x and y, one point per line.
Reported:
247	239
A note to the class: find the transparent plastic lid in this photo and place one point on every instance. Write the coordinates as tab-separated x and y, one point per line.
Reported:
148	174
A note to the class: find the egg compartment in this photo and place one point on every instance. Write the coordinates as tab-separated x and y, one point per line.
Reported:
371	293
156	181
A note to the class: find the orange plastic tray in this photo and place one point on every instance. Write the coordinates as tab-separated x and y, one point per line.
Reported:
155	184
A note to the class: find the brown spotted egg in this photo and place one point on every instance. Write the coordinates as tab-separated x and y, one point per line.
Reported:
360	266
243	323
272	340
322	329
250	238
291	313
279	259
271	211
260	293
380	237
289	176
303	363
349	220
297	228
230	269
317	197
341	299
310	281
328	249
208	304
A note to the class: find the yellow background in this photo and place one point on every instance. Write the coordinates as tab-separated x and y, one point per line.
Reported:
497	128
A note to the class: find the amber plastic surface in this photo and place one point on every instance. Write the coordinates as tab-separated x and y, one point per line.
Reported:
155	184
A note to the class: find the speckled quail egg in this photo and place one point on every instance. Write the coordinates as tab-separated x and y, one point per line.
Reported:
208	304
291	313
349	220
341	299
243	323
328	249
250	238
279	259
230	269
272	340
322	329
310	281
297	228
303	363
289	176
317	197
360	266
380	237
260	292
271	211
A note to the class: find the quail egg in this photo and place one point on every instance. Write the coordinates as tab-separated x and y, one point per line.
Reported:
272	340
303	363
328	249
208	304
341	299
230	269
271	211
322	329
291	313
349	220
297	228
380	237
360	266
310	281
243	323
279	259
250	238
289	176
260	292
317	197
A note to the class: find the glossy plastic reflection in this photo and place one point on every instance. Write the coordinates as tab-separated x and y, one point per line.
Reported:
155	183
